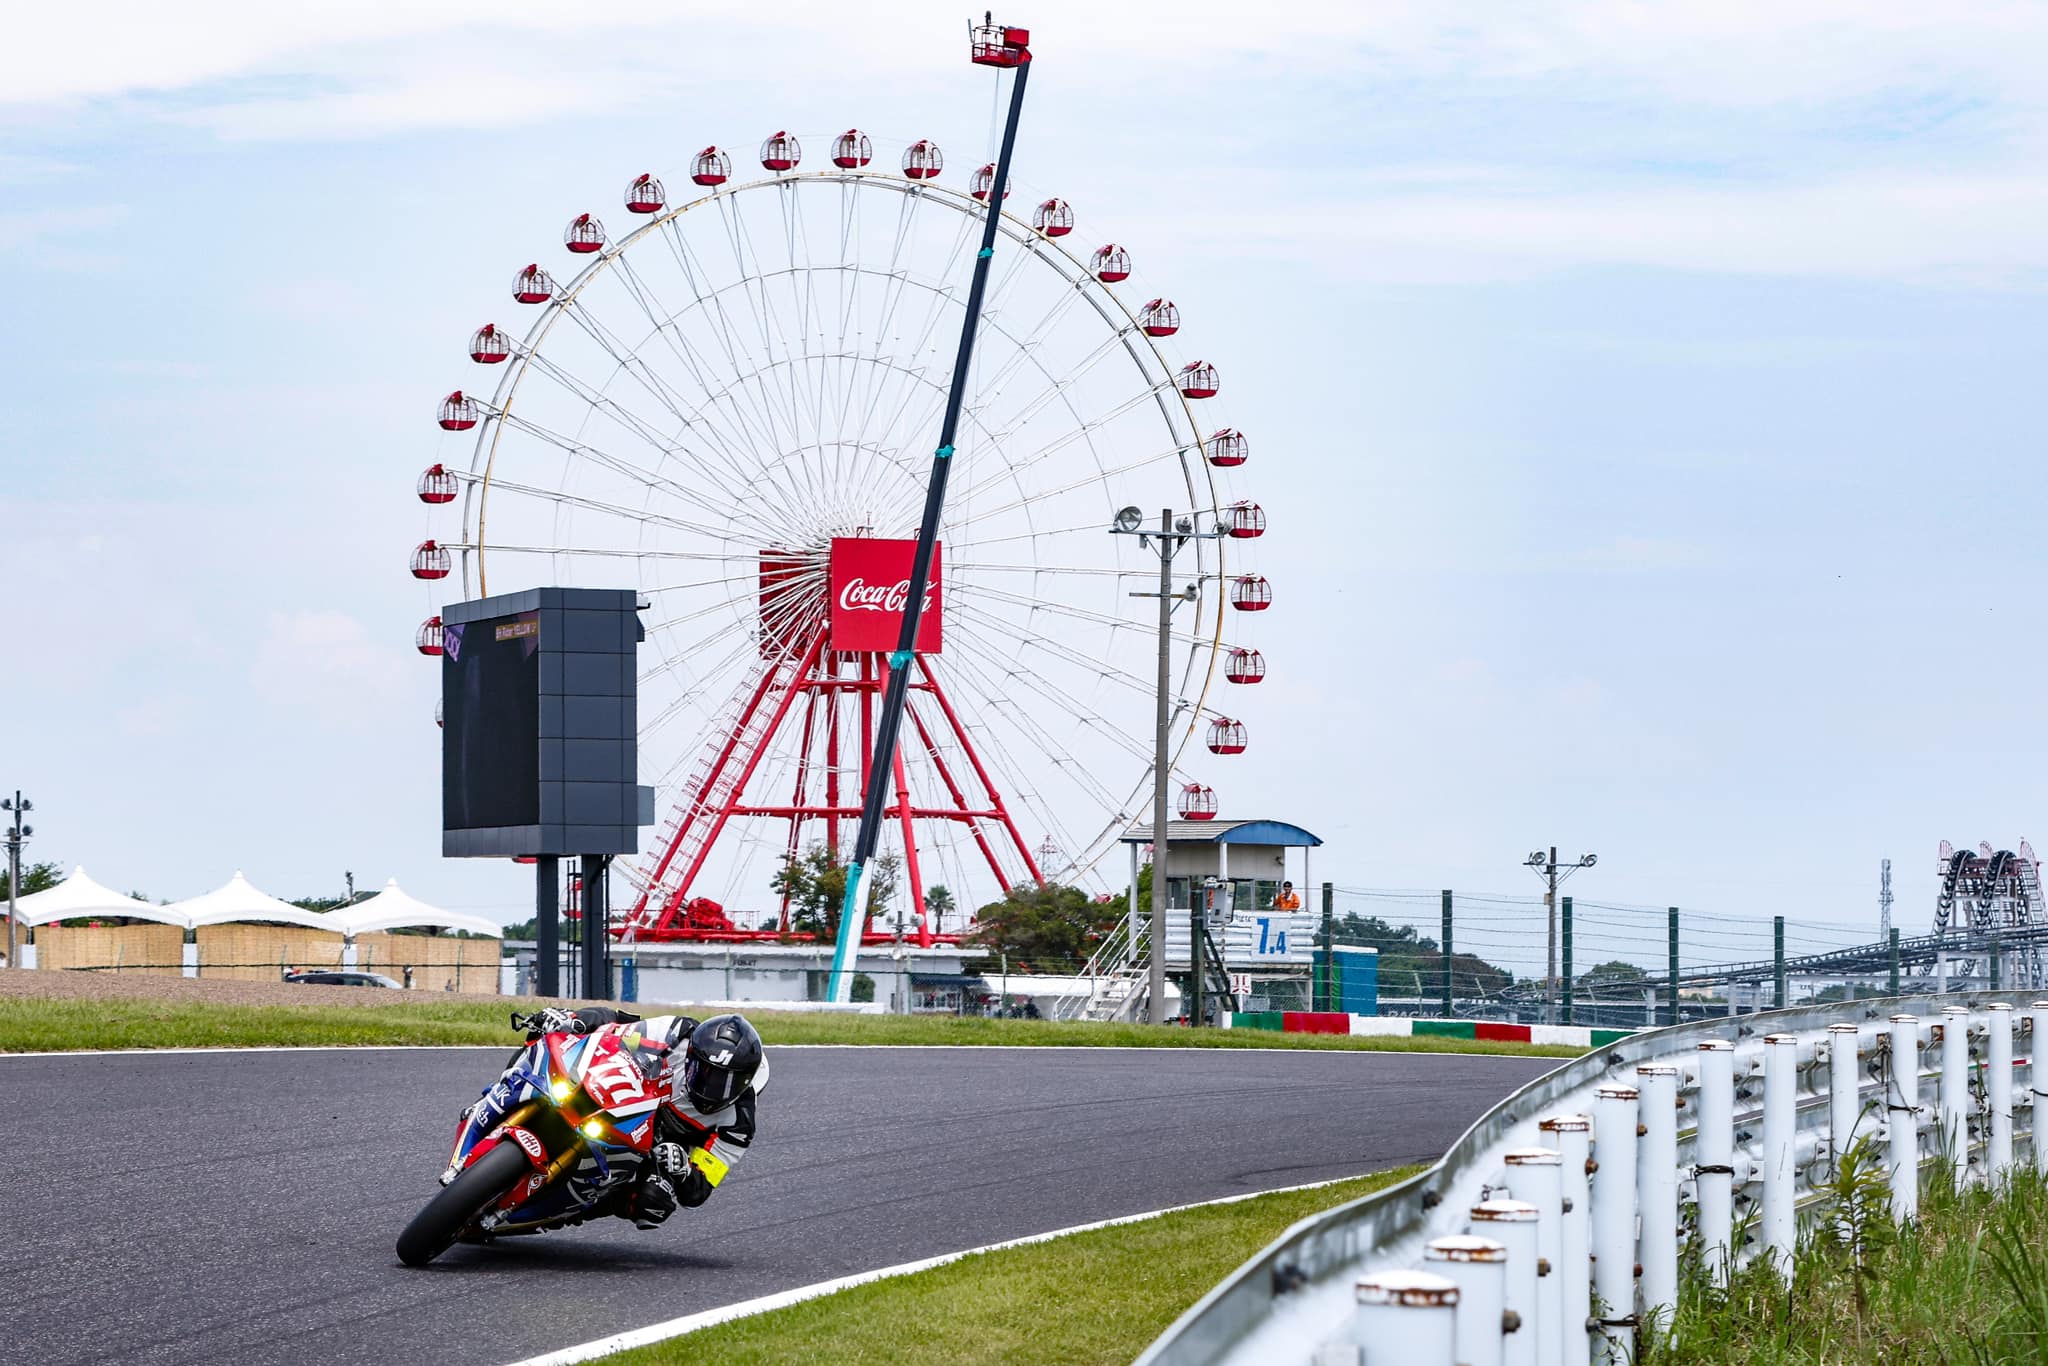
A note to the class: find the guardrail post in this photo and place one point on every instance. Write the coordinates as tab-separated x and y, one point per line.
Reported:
1895	962
1902	1117
1536	1177
1953	1135
1843	1087
1513	1222
1778	960
1573	1135
1657	1188
1614	1217
1998	1093
2038	1085
1566	964
1406	1316
1446	992
1781	1174
1714	1156
1478	1266
1671	981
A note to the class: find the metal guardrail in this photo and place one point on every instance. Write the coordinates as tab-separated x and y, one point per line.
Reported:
1554	1224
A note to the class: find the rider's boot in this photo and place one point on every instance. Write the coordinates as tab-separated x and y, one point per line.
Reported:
652	1201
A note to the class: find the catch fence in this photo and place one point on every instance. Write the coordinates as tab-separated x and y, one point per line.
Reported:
1616	963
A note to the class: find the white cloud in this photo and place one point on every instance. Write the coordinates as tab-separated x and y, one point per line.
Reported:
328	662
1737	53
153	718
1974	225
35	226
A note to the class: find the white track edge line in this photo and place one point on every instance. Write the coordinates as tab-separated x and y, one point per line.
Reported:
780	1047
711	1318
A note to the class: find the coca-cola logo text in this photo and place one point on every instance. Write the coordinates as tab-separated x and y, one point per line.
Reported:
860	596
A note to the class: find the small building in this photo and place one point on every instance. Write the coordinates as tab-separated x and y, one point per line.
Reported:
686	972
1250	853
1269	951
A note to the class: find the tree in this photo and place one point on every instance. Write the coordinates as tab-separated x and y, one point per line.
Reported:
1613	975
1119	902
36	877
815	883
1053	926
938	901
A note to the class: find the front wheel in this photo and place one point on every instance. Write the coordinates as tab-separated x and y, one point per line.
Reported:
458	1204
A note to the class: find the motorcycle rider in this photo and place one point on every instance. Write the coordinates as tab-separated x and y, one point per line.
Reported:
713	1070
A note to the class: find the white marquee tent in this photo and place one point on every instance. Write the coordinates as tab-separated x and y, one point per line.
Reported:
78	895
394	908
238	901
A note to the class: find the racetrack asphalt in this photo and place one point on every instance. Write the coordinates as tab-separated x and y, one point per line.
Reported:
241	1207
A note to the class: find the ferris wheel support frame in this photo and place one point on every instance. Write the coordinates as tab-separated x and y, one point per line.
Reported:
853	912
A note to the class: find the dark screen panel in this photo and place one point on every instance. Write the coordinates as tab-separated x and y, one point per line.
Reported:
490	715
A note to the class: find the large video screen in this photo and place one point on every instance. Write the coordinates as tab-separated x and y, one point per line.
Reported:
490	717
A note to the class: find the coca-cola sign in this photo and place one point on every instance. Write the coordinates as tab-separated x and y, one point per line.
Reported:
861	596
870	585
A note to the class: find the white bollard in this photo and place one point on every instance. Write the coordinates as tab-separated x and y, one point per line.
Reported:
1998	1092
1952	1136
1614	1218
1406	1316
1902	1117
1714	1156
1479	1268
1512	1223
1776	1161
2038	1086
1657	1188
1536	1177
1844	1074
1573	1135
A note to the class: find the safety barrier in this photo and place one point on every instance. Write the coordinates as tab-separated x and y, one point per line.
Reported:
1385	1026
1553	1227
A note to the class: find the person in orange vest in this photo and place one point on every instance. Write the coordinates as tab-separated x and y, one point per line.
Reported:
1285	899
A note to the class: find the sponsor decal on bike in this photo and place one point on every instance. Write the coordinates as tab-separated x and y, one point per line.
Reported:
532	1146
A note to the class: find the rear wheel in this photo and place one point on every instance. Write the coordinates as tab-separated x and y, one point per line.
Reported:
482	1184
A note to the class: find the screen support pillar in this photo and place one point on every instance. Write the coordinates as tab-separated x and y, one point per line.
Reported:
597	968
547	932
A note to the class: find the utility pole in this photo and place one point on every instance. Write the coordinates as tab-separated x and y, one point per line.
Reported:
1166	542
1884	900
1553	873
17	835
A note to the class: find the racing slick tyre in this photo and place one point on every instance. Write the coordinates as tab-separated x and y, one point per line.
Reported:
457	1205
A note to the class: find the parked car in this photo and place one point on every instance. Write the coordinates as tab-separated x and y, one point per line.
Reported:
343	979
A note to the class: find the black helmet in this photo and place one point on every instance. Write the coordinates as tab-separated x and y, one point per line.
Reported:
719	1062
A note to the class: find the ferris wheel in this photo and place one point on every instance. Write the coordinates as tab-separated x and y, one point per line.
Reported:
730	407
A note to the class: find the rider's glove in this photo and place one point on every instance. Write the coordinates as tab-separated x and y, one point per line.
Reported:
672	1160
553	1020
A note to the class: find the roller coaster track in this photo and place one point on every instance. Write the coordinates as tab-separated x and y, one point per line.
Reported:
1858	960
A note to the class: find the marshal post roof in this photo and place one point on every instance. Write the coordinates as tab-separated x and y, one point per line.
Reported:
1228	832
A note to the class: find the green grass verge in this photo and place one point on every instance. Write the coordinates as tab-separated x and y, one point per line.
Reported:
1967	1283
1088	1297
36	1025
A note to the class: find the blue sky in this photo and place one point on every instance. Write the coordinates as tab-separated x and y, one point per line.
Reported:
1646	403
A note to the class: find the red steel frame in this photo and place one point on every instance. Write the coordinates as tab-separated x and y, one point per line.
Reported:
827	697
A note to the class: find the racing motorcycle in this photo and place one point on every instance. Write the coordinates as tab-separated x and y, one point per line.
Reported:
559	1137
